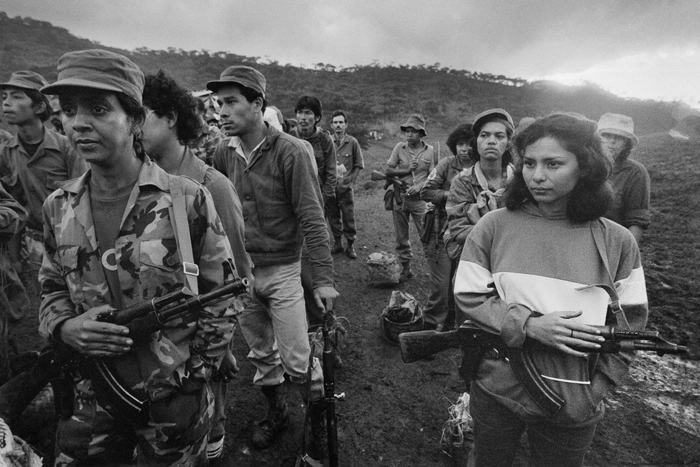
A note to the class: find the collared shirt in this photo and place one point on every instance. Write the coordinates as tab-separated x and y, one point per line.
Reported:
349	155
31	179
324	152
149	265
401	158
236	144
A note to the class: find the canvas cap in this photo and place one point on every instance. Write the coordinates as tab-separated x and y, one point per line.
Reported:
25	79
524	123
98	69
480	119
417	122
618	124
243	75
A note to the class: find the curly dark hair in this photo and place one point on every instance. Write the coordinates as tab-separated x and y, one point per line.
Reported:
462	134
474	153
136	112
592	195
167	99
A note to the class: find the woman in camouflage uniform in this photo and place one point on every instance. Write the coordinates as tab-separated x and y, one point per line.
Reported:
111	243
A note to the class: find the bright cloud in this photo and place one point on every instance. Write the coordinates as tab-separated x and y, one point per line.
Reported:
644	49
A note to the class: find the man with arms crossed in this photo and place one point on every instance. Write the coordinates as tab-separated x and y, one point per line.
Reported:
350	162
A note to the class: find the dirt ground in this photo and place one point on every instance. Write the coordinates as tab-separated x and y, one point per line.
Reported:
392	414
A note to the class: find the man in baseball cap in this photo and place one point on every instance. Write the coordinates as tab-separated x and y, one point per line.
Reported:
32	163
112	242
276	182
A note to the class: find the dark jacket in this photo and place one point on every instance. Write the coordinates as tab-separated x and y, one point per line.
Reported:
324	152
281	202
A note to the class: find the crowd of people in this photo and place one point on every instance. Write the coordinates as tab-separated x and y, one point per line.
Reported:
118	188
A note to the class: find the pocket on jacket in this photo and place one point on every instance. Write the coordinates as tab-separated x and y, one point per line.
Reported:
158	261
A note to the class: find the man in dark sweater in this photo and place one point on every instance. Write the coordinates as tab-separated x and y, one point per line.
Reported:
275	180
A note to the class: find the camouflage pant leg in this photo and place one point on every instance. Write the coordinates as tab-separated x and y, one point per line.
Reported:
91	436
176	434
218	426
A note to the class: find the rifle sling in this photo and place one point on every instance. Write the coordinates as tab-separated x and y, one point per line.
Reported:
182	234
599	239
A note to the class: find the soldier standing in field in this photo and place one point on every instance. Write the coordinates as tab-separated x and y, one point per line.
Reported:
281	199
629	178
171	124
411	161
112	240
32	164
309	113
350	163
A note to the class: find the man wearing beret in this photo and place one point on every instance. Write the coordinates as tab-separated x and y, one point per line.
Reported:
412	162
281	199
123	234
32	163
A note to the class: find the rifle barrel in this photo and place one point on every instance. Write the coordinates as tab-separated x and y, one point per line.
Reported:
329	389
128	314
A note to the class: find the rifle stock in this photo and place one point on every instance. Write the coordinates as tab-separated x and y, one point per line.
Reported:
421	344
377	176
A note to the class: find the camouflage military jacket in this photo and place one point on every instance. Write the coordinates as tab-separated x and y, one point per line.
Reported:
29	180
149	265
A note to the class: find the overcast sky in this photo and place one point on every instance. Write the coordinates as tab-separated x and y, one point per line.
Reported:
633	48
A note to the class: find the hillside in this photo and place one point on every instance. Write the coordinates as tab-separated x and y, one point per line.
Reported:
375	96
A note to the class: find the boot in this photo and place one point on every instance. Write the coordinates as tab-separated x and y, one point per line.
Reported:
317	430
406	272
277	418
338	247
350	251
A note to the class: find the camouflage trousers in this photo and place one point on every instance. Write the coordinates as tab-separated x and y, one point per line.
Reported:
174	432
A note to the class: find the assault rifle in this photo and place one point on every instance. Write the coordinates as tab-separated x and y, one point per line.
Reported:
142	319
378	176
329	390
474	342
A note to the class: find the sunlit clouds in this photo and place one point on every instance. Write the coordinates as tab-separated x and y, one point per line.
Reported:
642	49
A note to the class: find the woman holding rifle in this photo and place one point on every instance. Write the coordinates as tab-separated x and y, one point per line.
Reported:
541	274
122	234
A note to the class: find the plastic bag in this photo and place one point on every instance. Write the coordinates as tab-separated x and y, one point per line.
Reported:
383	268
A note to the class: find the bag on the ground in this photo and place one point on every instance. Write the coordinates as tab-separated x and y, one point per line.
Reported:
383	268
404	314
